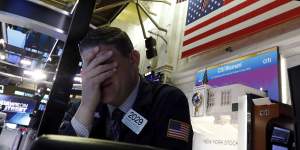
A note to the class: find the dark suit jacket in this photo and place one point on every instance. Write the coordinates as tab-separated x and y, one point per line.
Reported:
158	104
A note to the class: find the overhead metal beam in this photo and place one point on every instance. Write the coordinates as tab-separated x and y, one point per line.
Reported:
58	2
34	25
49	56
92	26
33	11
156	34
152	20
100	18
150	12
4	33
74	7
160	1
36	17
50	7
107	24
141	20
117	13
107	7
68	66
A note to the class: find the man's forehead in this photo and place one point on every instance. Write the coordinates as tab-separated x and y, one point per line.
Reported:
100	47
106	47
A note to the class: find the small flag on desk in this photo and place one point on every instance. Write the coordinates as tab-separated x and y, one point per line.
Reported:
178	130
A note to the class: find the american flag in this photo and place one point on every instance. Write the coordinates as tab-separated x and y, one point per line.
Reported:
211	23
178	130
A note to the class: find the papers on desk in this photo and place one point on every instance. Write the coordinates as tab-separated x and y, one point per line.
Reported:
262	101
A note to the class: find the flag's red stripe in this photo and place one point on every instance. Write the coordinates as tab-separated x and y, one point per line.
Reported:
175	133
245	32
185	128
181	132
236	21
177	136
227	1
220	16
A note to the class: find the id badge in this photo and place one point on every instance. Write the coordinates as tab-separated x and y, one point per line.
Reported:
134	121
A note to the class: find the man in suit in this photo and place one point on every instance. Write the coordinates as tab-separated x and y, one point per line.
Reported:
118	104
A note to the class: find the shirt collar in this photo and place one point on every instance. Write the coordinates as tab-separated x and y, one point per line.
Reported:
128	103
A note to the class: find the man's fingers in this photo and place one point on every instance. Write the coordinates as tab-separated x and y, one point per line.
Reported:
100	69
89	55
100	78
100	59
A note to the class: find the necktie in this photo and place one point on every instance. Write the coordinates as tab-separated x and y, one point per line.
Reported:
116	117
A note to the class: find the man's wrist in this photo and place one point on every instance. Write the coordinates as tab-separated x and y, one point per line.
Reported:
80	129
85	115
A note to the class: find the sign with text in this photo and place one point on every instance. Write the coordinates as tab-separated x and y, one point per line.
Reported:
259	70
209	135
18	109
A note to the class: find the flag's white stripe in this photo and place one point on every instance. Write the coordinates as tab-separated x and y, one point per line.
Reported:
229	18
214	13
269	14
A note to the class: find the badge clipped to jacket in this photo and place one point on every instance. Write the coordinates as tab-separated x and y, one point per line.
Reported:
134	121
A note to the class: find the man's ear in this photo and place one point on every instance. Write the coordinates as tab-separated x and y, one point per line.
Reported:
135	57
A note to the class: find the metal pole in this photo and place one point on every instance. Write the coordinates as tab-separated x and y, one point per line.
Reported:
153	21
117	13
161	1
68	66
159	36
141	20
4	33
111	6
49	56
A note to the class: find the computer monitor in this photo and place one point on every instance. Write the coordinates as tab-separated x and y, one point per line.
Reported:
60	142
294	80
277	147
280	138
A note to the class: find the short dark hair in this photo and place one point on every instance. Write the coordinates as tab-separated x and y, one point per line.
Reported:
107	36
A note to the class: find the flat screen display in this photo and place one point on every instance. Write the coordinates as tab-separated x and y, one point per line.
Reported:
18	109
259	70
16	38
39	41
276	147
154	77
42	107
14	59
280	135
